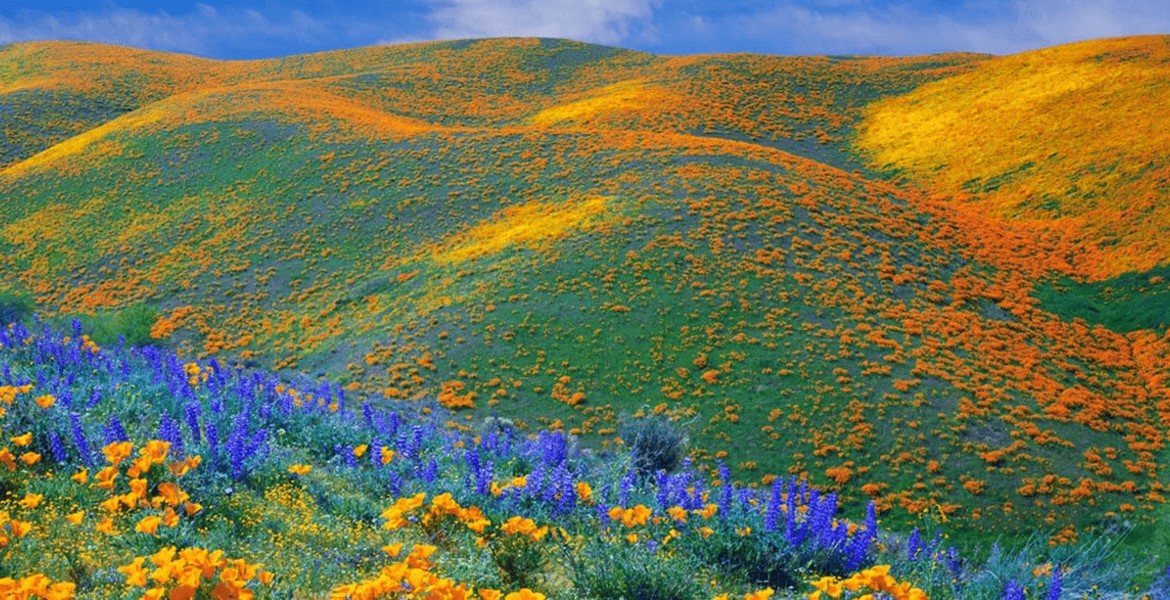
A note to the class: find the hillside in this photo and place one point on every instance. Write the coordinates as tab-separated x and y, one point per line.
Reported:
562	233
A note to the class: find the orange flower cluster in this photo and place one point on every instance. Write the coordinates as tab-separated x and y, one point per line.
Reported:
36	586
873	580
180	574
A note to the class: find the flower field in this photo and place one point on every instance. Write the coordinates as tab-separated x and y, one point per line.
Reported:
430	319
128	473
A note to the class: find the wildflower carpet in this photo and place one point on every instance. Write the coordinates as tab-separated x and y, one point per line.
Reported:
532	273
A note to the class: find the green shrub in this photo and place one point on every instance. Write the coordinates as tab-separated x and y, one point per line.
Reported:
765	558
618	570
15	306
132	323
656	443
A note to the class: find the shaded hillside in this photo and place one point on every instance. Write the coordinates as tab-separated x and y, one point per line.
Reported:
584	231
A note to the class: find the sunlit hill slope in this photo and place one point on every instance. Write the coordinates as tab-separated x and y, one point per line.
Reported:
826	266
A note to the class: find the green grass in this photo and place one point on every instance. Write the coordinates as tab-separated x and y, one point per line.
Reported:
1125	303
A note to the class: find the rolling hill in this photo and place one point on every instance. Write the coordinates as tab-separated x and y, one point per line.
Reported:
848	269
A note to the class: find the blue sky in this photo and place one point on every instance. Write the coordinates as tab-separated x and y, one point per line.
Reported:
268	28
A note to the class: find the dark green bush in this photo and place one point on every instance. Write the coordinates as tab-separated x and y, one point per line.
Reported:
617	570
656	443
132	323
15	306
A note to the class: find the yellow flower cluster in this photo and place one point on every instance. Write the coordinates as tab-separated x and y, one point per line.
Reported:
443	504
196	374
7	458
763	594
8	392
35	586
526	527
179	574
630	517
10	528
873	579
411	577
397	515
167	495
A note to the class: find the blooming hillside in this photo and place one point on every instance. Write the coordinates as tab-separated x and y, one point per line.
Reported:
129	473
567	234
1071	140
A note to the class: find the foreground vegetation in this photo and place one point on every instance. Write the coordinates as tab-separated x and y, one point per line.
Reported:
565	233
128	473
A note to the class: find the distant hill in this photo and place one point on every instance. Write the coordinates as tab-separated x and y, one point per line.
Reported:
564	232
1070	140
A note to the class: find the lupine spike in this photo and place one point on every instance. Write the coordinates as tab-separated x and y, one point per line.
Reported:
1057	585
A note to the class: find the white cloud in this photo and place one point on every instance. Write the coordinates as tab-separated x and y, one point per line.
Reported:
599	21
198	32
884	28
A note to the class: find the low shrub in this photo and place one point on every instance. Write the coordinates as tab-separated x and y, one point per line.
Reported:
656	444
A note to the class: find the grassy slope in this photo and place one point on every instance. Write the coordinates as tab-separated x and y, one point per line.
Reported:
367	214
1069	139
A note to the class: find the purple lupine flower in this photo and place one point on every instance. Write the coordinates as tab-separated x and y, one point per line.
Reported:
394	482
694	500
236	447
568	501
913	545
79	439
821	519
191	414
368	414
549	494
416	440
934	544
483	480
772	514
535	480
391	430
727	492
114	432
431	472
376	453
471	457
347	455
212	433
857	549
790	529
1057	585
286	404
1013	591
57	447
168	431
553	448
663	481
952	561
624	488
